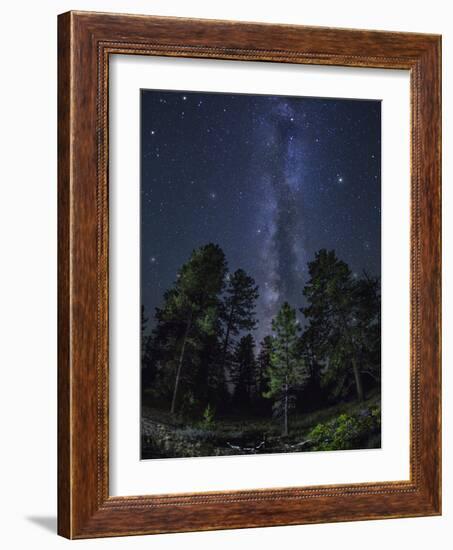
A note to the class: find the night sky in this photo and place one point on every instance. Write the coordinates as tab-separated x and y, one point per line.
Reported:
271	179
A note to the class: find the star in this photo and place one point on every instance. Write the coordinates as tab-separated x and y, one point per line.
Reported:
260	186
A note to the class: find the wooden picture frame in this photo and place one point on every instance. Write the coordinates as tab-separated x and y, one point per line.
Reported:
85	42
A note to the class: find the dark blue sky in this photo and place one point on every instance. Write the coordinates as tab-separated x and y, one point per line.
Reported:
271	179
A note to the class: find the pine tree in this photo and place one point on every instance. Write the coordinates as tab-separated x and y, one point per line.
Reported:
238	308
344	312
210	386
190	313
314	395
287	369
329	294
262	366
367	330
244	371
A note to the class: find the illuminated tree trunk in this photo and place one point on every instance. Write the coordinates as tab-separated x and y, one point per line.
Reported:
285	420
358	380
227	338
180	362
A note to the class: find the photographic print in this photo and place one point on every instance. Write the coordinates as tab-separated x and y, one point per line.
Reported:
260	274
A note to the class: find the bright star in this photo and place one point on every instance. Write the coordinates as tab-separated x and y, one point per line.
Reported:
153	132
184	97
212	195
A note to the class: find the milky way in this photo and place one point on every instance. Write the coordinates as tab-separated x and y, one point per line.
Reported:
282	257
270	179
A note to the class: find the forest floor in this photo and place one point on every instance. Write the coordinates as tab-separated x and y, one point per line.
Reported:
349	425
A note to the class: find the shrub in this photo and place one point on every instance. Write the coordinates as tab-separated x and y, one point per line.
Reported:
208	418
347	431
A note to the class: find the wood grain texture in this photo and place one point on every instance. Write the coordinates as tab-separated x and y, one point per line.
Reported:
86	40
64	369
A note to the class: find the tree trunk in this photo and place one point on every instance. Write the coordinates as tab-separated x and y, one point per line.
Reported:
355	368
227	338
285	421
180	361
358	380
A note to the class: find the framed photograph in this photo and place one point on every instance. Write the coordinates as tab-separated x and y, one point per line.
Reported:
249	275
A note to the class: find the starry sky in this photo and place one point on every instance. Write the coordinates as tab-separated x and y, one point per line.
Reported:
271	179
